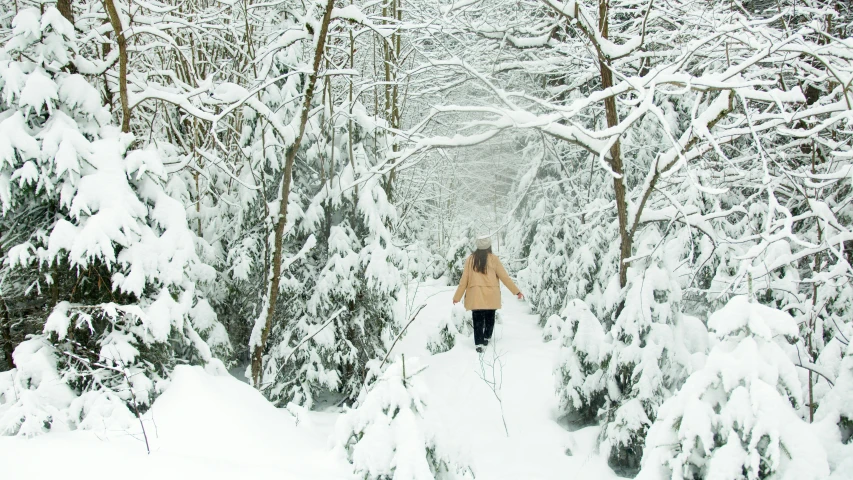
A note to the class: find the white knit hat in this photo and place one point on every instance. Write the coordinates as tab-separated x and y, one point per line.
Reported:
484	242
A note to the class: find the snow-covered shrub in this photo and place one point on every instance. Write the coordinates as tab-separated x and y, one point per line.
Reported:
112	246
444	338
824	338
736	417
546	277
835	417
619	374
386	436
450	328
422	264
580	373
455	257
553	327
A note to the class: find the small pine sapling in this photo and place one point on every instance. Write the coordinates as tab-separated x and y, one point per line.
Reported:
386	436
580	372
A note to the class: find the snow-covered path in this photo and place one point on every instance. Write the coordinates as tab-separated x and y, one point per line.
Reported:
465	408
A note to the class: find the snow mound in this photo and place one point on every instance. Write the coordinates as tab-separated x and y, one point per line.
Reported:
203	426
203	414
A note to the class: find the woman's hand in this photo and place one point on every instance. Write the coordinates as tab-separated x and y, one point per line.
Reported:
520	296
455	301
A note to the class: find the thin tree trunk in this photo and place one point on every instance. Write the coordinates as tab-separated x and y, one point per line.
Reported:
625	237
275	277
349	120
6	334
64	7
392	87
813	320
115	22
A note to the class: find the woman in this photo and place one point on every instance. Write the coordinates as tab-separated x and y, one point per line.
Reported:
479	284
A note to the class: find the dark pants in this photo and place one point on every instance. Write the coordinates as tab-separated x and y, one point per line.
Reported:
484	324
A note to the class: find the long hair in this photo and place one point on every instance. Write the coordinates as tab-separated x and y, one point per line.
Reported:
481	259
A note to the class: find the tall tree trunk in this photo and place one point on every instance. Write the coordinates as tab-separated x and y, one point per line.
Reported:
64	7
275	275
625	236
392	87
115	22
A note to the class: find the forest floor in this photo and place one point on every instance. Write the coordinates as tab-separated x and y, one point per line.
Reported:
219	427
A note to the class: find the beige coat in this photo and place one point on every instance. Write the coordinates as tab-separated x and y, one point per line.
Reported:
482	290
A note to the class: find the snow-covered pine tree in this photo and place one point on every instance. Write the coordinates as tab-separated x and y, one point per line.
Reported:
736	417
545	277
643	368
100	236
247	242
620	374
342	290
558	247
386	435
827	336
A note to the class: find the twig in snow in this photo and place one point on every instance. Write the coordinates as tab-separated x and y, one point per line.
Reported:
304	340
123	372
496	381
309	337
414	316
411	320
814	368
